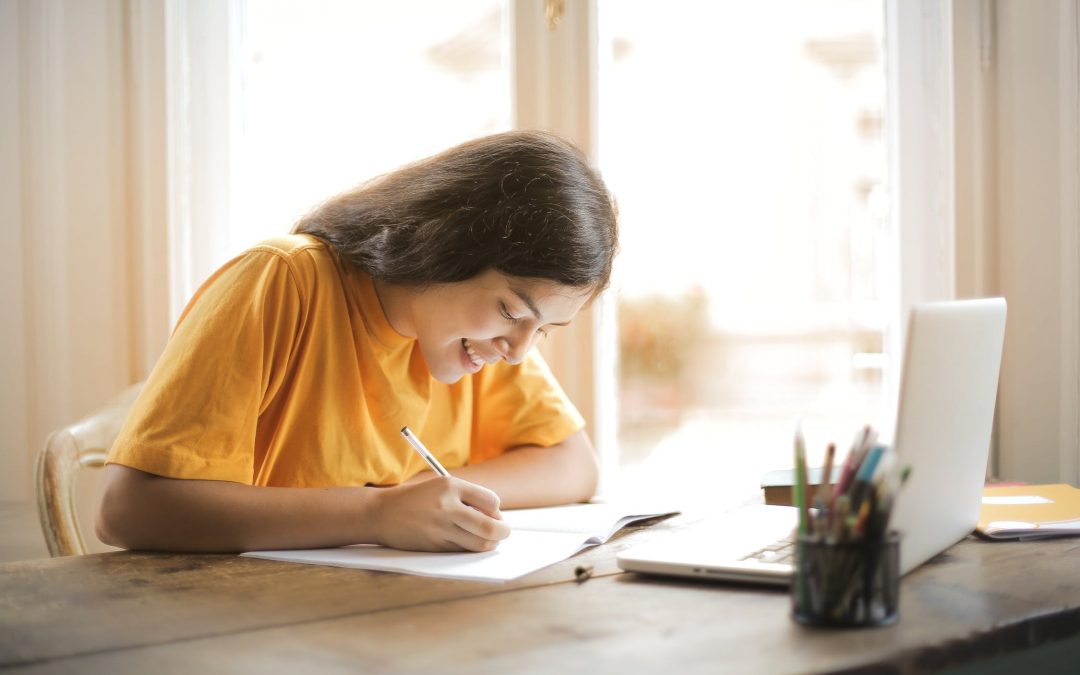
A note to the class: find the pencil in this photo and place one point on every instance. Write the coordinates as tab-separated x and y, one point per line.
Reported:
822	495
822	498
851	462
423	452
800	480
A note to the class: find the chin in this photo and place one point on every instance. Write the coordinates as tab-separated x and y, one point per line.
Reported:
446	365
448	378
447	373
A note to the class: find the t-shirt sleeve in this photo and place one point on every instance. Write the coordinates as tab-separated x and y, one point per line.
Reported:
520	405
197	414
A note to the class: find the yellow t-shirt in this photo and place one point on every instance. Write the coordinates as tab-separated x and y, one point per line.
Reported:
284	371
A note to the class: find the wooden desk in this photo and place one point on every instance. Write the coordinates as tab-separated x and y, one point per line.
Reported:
132	612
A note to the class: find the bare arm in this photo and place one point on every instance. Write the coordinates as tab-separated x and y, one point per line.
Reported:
143	511
531	476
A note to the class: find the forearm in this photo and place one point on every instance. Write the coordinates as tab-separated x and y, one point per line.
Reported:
142	511
532	476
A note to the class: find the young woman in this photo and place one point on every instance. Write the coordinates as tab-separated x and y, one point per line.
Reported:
273	418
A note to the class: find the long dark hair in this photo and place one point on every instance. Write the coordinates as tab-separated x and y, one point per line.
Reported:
525	203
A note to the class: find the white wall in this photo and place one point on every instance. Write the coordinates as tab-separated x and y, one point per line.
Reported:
13	407
1038	205
68	347
75	158
986	172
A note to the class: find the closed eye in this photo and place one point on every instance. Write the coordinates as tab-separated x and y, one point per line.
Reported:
516	319
507	315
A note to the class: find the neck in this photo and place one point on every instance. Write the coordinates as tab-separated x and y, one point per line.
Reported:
396	303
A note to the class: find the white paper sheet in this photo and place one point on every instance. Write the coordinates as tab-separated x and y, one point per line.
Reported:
538	538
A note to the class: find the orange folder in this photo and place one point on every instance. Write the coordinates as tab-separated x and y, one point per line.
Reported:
1029	512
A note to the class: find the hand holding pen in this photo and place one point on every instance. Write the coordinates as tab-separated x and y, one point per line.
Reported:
450	514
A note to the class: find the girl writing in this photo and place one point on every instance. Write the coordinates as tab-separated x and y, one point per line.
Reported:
272	418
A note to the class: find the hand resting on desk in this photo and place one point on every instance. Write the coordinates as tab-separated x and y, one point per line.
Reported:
144	511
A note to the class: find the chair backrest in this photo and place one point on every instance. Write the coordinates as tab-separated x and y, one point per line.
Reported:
82	444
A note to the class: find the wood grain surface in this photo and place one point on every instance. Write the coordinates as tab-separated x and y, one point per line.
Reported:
131	612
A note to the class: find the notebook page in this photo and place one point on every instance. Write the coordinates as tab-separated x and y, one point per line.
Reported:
522	552
598	520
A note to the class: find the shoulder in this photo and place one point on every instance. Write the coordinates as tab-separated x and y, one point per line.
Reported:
309	260
292	248
281	267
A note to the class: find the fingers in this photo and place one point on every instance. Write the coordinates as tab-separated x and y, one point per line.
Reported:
478	497
479	517
467	541
441	514
480	525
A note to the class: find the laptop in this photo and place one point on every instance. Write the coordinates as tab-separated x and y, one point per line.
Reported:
948	389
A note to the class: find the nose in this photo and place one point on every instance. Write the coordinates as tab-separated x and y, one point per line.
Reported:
512	350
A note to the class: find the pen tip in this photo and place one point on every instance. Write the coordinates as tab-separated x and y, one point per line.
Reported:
405	429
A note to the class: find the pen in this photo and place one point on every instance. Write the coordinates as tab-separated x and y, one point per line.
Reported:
862	483
848	470
423	452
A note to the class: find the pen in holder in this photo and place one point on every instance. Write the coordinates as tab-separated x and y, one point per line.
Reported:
846	583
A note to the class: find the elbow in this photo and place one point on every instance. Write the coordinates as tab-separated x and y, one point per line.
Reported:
105	528
104	531
586	468
115	522
591	478
109	523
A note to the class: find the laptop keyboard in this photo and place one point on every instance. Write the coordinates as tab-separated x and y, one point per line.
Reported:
780	551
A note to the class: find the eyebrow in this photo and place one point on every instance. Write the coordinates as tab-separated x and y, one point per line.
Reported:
527	299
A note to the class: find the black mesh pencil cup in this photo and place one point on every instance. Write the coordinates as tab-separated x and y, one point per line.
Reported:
846	584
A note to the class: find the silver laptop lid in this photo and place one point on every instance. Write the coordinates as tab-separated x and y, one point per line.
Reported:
944	422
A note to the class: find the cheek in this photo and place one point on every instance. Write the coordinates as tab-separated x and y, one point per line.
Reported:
465	325
479	325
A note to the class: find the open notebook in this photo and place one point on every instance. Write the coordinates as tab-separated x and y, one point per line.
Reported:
538	538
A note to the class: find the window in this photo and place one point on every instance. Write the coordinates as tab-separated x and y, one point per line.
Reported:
746	146
335	92
745	143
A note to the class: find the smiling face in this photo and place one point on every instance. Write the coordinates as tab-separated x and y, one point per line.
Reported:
463	326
